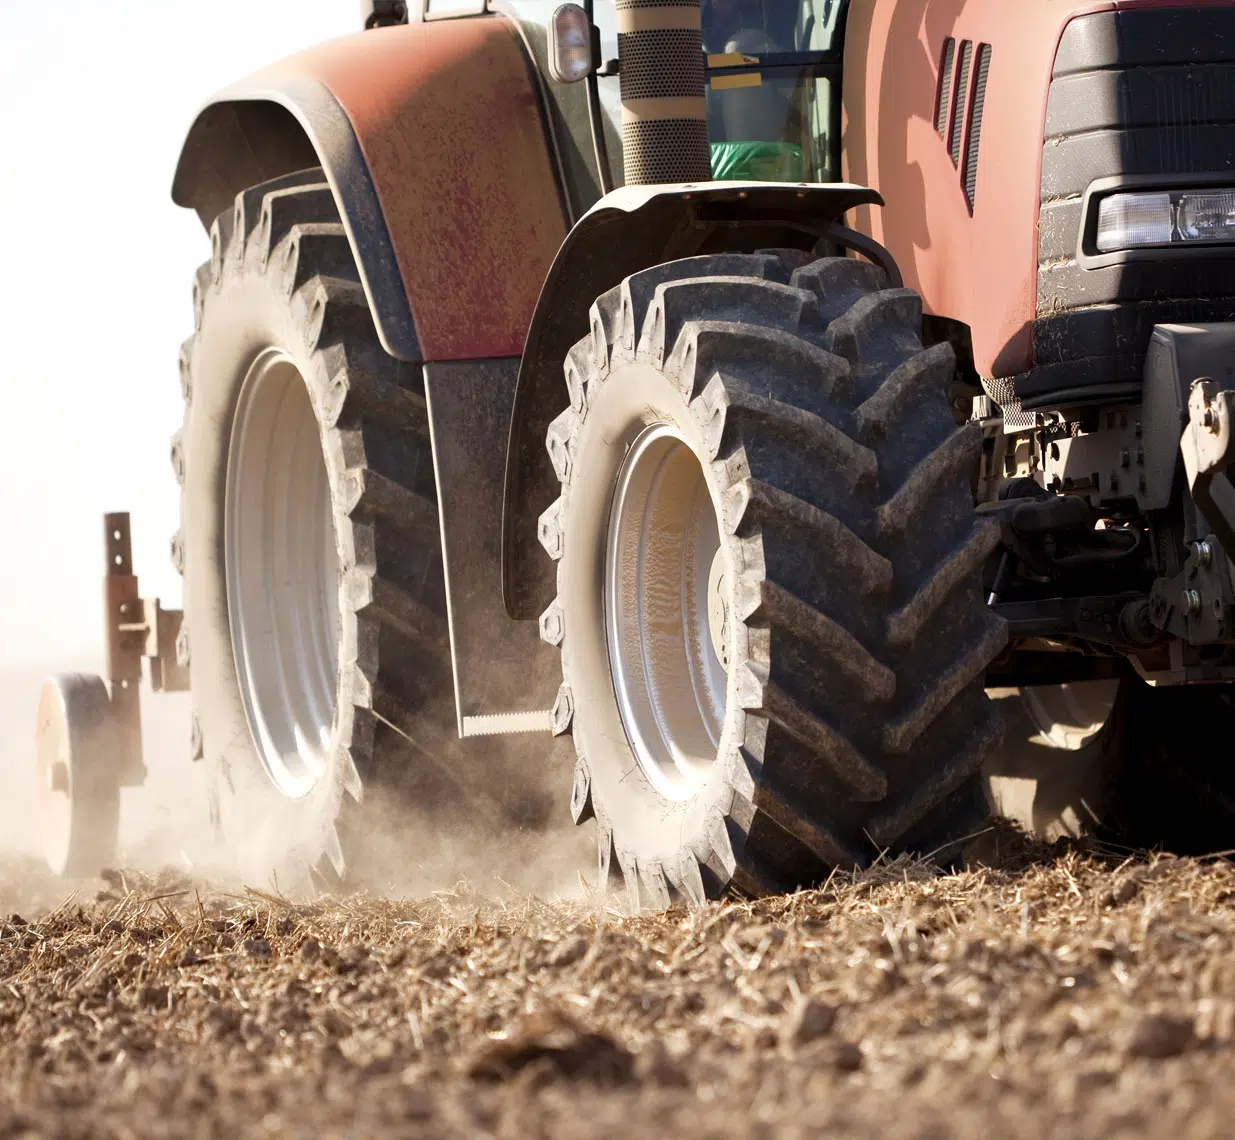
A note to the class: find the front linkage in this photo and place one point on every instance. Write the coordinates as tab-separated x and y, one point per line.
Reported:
1115	556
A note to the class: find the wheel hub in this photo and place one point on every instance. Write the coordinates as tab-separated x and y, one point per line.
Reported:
667	611
282	573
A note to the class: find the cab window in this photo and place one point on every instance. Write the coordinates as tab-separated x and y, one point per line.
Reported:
773	89
773	74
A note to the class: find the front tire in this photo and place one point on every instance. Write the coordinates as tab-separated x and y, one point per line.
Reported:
774	435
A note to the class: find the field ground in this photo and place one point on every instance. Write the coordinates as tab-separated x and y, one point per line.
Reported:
1063	992
1068	992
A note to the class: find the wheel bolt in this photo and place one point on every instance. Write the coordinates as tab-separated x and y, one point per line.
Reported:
1203	552
1192	602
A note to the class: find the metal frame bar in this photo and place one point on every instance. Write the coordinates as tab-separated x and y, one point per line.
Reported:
134	627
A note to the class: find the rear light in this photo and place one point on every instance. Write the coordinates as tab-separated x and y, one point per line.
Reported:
1160	217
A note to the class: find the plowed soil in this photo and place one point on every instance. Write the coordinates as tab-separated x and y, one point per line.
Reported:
1065	992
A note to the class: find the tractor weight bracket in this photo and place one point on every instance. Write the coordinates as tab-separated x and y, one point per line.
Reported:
1197	603
1208	446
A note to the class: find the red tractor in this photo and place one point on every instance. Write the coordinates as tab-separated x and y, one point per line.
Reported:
735	486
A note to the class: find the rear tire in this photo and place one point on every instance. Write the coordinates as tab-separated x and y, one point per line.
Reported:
1153	775
315	612
826	701
1069	716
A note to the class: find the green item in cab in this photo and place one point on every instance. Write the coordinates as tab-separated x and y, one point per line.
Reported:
758	162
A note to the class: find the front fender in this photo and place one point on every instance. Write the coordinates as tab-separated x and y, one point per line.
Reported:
628	230
433	139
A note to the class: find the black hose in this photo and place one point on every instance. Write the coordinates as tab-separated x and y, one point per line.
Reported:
1099	557
599	147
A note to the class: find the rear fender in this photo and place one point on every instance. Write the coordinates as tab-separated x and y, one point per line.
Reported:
626	231
418	129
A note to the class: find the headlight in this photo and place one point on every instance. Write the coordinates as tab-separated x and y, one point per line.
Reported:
1160	217
1207	217
1126	220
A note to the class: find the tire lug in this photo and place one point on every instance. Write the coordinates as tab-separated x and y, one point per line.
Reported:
549	530
552	627
177	457
581	809
563	711
186	374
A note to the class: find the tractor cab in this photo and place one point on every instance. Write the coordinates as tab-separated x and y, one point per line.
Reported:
772	82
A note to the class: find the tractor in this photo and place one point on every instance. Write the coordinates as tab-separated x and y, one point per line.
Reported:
706	417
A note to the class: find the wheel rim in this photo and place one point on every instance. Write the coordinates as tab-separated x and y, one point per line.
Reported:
667	611
282	573
1070	716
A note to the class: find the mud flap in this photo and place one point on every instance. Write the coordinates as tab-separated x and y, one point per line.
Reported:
505	676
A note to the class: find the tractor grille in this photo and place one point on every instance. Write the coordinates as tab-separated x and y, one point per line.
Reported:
943	101
963	132
1136	92
975	125
962	93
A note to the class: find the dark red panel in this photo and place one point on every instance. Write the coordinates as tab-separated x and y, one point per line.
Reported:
448	120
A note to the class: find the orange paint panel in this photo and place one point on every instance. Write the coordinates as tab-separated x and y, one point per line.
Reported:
979	269
449	123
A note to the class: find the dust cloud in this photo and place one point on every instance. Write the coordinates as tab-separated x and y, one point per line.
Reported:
411	850
163	824
408	851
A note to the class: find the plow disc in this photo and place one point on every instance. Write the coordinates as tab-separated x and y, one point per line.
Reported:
78	774
89	740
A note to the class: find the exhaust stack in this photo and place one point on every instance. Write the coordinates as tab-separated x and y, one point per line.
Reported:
664	113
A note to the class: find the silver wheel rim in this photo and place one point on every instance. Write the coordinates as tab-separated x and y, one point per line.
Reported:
282	573
1070	716
666	611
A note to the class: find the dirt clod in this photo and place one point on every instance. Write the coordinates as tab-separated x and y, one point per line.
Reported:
808	1020
1123	892
556	1045
1156	1036
844	1056
154	997
310	950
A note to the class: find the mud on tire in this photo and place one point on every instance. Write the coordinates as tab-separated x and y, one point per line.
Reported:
282	280
853	716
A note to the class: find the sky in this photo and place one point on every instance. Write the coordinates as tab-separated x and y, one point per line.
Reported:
96	284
